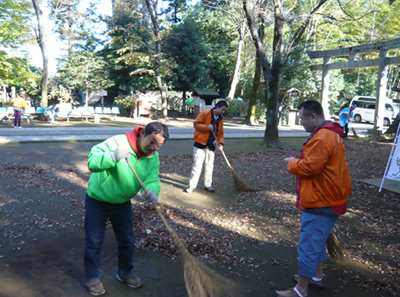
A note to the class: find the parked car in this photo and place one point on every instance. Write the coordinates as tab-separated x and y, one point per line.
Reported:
365	110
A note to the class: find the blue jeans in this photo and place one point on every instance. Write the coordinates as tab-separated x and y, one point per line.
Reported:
314	233
121	218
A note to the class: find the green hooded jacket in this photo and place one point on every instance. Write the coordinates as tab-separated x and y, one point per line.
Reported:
114	182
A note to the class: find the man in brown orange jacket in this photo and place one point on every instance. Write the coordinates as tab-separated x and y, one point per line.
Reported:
323	184
205	124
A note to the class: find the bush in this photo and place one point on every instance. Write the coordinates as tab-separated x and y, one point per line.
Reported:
126	103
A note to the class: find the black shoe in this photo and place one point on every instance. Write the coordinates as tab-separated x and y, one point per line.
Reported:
209	189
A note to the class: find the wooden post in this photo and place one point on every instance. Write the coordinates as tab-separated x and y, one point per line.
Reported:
381	91
325	88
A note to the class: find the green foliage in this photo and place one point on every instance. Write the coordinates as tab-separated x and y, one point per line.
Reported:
15	23
126	103
298	75
18	72
173	10
175	103
129	49
67	19
219	34
235	107
185	53
85	70
354	82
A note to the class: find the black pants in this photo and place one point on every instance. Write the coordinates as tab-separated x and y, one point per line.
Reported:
346	130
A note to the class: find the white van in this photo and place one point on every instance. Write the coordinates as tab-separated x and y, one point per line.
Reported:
365	110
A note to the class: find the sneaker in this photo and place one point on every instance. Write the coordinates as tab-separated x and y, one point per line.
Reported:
95	287
15	127
131	280
209	189
188	190
316	284
19	127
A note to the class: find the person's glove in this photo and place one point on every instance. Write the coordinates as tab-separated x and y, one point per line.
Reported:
218	145
152	196
120	153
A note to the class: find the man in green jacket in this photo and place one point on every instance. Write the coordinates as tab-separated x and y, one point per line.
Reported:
110	189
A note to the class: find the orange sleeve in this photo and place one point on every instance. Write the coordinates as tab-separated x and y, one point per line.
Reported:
200	123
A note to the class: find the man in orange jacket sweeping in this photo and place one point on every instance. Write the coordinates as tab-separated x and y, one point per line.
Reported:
323	184
205	144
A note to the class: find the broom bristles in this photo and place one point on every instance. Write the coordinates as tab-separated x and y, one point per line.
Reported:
240	184
335	249
202	281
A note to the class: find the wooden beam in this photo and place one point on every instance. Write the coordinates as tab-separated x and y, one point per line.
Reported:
357	64
365	48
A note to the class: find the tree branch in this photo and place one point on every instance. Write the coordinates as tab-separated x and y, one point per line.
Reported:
299	33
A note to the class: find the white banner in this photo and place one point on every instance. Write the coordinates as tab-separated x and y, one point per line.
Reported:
393	166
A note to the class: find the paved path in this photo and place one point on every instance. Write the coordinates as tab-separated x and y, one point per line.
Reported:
11	135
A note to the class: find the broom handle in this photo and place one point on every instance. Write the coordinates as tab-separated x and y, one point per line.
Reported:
178	242
222	151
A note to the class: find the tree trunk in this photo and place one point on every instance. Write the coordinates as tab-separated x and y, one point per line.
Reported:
157	57
236	74
183	102
271	136
42	43
251	112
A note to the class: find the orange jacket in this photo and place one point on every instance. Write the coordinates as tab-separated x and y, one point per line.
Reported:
323	178
201	132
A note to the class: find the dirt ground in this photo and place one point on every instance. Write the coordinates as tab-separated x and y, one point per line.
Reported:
249	238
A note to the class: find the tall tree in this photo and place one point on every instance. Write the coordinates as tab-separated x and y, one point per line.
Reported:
152	7
234	11
219	34
186	55
236	74
251	112
85	70
129	49
41	39
281	51
66	17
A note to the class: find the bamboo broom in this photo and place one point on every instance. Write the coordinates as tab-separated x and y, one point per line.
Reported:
335	249
200	280
240	184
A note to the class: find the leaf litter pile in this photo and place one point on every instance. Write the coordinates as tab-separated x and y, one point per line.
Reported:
369	231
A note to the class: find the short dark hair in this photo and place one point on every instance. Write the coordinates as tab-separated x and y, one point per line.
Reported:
158	128
312	106
221	103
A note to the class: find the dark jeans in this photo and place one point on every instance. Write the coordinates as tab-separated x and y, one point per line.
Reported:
121	217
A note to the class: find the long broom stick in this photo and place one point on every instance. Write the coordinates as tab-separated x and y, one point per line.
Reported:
240	184
200	280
